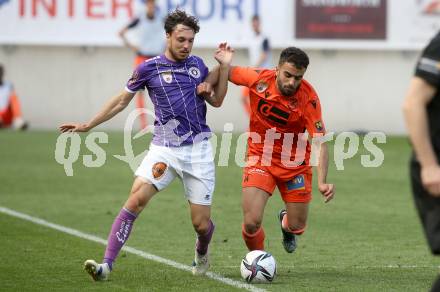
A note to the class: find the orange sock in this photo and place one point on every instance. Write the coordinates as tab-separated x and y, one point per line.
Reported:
285	226
254	241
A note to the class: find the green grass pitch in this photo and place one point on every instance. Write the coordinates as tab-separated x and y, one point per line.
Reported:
368	239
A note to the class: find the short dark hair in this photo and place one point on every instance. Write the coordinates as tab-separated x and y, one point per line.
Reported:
180	17
255	17
294	56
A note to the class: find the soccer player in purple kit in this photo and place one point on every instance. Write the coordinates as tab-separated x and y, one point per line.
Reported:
180	146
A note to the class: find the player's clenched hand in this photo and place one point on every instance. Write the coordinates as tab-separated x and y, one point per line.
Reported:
327	190
64	128
224	54
431	180
204	89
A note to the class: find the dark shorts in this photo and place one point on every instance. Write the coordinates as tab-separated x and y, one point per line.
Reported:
428	208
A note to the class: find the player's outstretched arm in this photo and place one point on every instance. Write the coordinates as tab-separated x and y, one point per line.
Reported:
215	86
113	106
223	55
326	189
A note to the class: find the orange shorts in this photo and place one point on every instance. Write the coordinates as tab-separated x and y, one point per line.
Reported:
297	189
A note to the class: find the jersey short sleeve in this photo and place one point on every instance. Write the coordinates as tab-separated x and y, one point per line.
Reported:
138	80
428	66
244	76
314	123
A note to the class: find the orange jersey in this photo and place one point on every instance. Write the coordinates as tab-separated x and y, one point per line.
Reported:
280	117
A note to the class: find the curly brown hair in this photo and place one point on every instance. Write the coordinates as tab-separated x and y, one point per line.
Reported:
180	17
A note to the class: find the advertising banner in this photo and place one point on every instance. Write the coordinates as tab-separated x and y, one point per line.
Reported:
341	19
316	24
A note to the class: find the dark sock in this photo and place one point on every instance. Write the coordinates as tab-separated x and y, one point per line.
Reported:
204	240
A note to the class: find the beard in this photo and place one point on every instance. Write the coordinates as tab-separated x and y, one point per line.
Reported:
286	90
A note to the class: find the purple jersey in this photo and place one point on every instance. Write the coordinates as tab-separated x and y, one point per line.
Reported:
180	112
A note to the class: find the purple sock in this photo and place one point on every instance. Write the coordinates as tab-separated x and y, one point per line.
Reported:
203	240
118	235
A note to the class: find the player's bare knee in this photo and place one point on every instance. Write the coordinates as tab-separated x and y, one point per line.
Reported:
132	205
136	201
201	225
252	227
251	221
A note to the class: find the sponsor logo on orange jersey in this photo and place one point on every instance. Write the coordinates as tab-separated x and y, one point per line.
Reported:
272	112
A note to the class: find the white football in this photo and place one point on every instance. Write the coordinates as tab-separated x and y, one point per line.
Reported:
258	266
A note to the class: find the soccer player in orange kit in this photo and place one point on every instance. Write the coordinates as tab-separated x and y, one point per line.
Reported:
10	109
282	104
283	107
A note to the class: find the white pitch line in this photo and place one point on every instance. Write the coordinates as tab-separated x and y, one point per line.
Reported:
348	267
128	249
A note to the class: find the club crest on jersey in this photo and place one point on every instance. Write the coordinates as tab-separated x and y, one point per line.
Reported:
167	76
194	72
318	126
296	183
262	86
